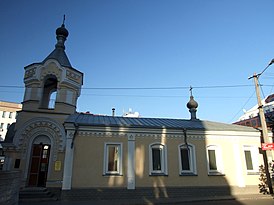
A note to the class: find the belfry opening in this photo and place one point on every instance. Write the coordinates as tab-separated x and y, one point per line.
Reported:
49	92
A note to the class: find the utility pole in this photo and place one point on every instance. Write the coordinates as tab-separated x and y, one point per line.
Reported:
264	132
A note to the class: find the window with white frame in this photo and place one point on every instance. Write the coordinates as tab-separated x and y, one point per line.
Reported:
187	159
251	159
157	159
214	159
113	159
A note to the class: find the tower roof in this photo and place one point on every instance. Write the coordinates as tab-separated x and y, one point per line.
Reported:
59	53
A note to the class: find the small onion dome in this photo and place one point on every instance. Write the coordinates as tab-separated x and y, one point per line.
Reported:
62	31
192	103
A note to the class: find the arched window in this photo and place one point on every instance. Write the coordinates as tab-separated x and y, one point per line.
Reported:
187	159
52	100
157	159
49	92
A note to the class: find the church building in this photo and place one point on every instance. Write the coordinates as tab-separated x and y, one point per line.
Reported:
56	147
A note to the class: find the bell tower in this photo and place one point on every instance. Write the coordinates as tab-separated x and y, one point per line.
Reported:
53	86
38	137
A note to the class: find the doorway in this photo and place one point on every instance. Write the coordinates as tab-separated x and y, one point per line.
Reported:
39	161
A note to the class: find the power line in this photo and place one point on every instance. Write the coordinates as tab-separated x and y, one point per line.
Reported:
261	89
167	88
11	86
147	96
242	107
164	96
148	88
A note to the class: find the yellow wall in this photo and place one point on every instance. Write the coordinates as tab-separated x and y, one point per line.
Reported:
89	159
88	162
55	175
173	179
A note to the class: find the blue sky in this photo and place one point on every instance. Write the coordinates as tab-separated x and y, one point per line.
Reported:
147	44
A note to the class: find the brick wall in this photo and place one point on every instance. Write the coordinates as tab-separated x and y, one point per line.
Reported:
9	187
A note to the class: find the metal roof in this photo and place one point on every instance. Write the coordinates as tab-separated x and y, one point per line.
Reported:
83	119
59	55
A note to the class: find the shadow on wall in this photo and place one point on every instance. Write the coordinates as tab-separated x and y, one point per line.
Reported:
187	165
170	164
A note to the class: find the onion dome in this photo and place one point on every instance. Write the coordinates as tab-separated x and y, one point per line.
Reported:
192	104
62	31
61	36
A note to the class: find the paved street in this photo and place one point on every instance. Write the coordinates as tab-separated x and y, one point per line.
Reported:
241	201
233	202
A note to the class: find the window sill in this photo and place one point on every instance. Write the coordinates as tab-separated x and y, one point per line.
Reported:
188	174
108	175
253	173
216	174
157	174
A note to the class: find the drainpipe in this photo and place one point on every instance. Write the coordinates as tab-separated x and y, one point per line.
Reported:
185	137
75	133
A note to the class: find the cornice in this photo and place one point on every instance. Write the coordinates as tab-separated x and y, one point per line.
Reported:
139	135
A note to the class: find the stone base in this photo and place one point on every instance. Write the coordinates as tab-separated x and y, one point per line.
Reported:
9	187
154	193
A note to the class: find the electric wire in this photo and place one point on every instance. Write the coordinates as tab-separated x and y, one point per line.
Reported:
262	91
240	110
147	88
156	88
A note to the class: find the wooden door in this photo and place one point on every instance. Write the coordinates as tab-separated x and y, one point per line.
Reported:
39	165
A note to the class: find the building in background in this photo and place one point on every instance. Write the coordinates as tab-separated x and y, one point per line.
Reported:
251	117
8	113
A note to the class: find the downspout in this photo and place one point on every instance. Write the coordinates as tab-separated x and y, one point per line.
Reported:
75	133
76	125
185	138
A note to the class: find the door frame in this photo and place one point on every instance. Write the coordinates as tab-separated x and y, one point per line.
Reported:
43	140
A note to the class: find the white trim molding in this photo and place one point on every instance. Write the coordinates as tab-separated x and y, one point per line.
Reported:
214	160
158	159
117	164
190	167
